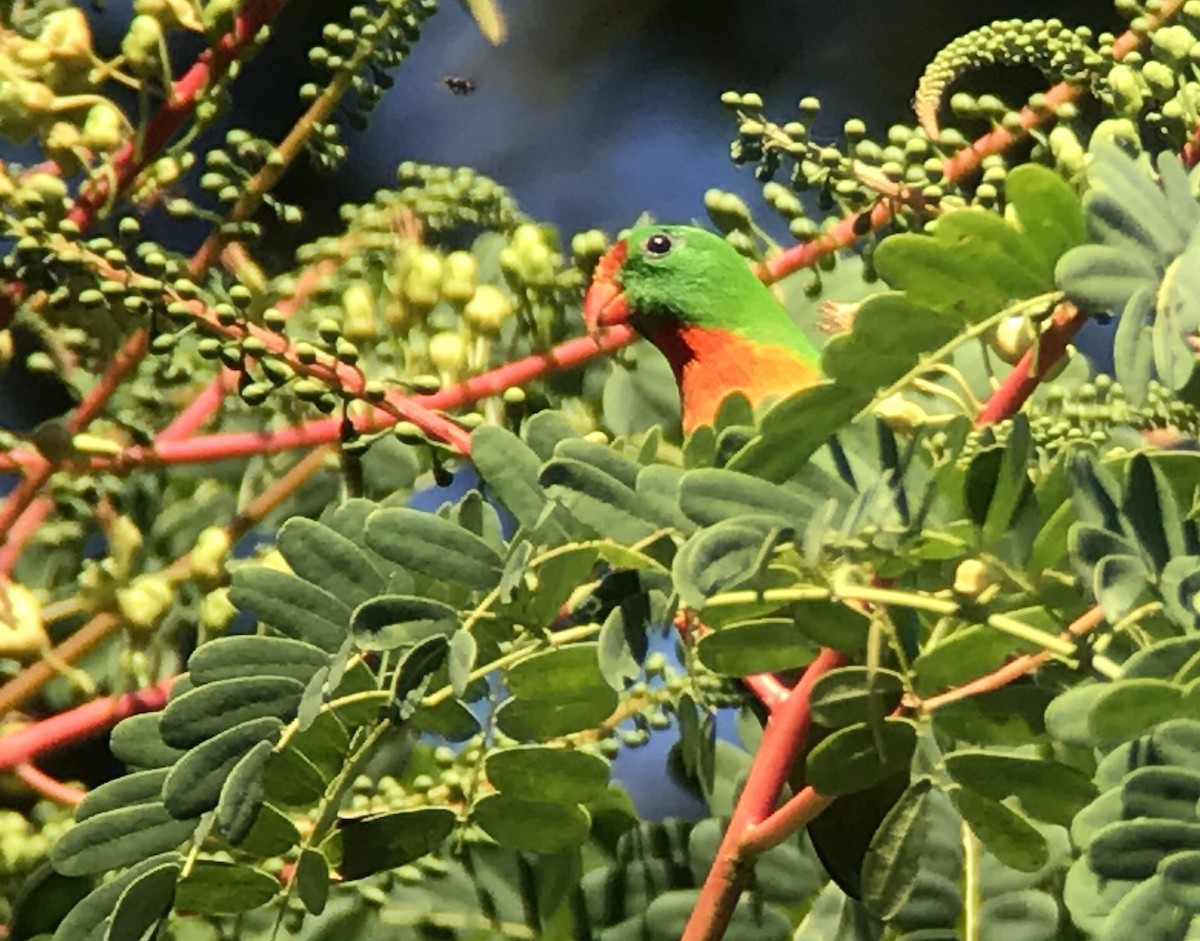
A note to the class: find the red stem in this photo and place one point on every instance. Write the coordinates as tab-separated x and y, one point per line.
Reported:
25	744
1020	384
783	740
50	788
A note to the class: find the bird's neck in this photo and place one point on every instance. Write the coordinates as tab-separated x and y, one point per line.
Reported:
710	363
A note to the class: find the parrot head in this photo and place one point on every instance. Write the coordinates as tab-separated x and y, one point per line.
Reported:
695	298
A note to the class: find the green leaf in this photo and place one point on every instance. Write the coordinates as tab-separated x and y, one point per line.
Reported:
795	427
194	784
461	660
555	775
216	887
312	880
854	758
622	642
424	543
850	695
967	653
893	863
137	788
760	646
1103	278
1133	849
601	457
87	920
143	903
272	834
415	673
722	557
451	719
1166	792
1118	583
392	621
641	395
875	354
329	560
255	655
1126	709
711	496
1048	790
1007	835
1022	915
118	838
241	797
599	500
1133	345
540	720
1180	589
1149	506
1047	210
1180	875
532	826
1145	913
43	900
206	711
138	742
543	431
561	671
385	841
510	469
291	605
1002	256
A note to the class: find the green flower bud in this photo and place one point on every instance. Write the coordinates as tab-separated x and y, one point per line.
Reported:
358	305
447	352
142	44
487	310
458	278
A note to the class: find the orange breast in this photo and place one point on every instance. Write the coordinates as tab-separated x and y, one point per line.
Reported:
710	364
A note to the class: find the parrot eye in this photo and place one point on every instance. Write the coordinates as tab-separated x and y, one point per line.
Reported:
658	244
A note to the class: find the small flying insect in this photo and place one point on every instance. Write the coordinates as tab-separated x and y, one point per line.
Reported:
459	85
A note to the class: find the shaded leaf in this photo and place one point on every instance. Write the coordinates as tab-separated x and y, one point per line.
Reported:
385	841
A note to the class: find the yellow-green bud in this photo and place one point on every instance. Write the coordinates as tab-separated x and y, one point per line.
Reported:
488	309
67	36
458	280
209	554
142	44
446	351
423	279
1012	338
22	632
216	611
971	578
145	600
103	128
124	541
359	306
904	416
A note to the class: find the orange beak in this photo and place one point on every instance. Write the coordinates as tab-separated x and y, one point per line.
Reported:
605	305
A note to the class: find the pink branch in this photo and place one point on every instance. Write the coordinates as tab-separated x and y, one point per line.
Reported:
50	788
782	742
25	744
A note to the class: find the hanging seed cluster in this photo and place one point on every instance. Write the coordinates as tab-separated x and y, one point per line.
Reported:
358	52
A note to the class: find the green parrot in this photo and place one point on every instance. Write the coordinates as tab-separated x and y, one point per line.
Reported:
695	298
722	330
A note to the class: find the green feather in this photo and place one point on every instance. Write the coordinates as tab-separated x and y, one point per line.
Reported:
703	282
